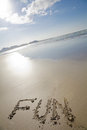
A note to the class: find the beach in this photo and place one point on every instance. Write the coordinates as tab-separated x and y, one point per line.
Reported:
51	72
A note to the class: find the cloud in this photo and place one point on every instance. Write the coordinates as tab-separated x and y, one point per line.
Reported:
3	28
56	11
16	19
74	8
24	1
50	12
36	7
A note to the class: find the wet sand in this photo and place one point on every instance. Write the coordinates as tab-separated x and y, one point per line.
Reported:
59	85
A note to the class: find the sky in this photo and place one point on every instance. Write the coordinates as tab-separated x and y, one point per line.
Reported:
22	21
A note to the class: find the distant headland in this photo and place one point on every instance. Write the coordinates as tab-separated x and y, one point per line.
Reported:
58	38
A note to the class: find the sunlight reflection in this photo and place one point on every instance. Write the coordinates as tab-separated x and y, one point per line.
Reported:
19	64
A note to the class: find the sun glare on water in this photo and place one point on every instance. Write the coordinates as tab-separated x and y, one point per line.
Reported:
19	64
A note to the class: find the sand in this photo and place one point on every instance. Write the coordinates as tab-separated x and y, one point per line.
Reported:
49	93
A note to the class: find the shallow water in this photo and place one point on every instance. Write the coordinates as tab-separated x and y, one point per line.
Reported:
44	70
